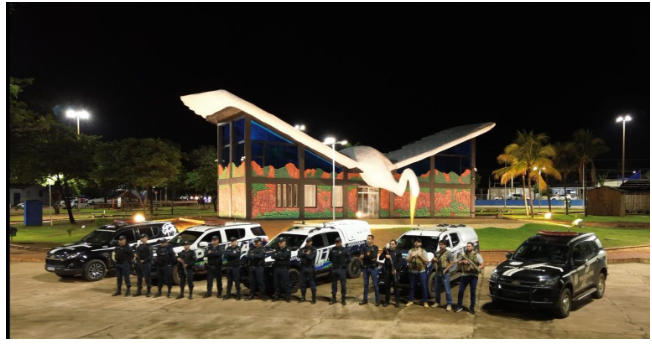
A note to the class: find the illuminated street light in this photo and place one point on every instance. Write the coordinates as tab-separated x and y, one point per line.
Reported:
83	114
625	119
331	141
300	127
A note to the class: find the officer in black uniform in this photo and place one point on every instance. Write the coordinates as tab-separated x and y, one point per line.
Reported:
164	260
123	254
214	254
186	259
370	269
256	257
143	262
340	258
232	254
282	257
392	264
307	257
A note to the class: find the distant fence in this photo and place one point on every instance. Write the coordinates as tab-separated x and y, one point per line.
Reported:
519	203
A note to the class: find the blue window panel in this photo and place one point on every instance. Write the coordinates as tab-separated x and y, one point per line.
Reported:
226	156
448	164
314	161
280	155
257	149
260	133
421	167
239	153
239	126
463	148
225	135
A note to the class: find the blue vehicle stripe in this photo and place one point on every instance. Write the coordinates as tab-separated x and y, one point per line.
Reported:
324	266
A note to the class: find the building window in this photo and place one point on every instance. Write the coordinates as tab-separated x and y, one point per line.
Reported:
287	195
310	196
339	201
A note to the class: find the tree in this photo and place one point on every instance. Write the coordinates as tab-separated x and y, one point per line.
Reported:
138	163
587	148
529	151
565	162
204	177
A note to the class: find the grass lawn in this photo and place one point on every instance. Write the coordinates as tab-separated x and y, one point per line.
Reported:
56	234
161	213
509	239
573	216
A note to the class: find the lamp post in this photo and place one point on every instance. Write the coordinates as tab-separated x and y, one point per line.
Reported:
624	119
539	169
300	127
332	142
83	114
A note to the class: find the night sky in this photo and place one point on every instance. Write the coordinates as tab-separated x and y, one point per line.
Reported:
344	70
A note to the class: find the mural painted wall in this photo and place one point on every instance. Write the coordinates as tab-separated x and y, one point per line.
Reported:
238	171
222	173
352	200
452	202
289	171
319	173
224	200
355	177
402	204
452	177
238	200
384	203
324	209
263	203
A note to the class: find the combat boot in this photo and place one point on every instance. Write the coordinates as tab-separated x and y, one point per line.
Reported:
207	295
237	296
302	299
343	300
219	294
158	294
250	297
180	296
190	296
149	292
333	300
264	297
287	299
274	298
138	292
128	292
314	299
117	292
169	293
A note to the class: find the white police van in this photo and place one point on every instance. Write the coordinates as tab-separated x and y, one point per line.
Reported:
457	237
202	235
353	234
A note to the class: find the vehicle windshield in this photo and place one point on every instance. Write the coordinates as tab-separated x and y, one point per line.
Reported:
99	236
551	253
406	242
188	235
293	241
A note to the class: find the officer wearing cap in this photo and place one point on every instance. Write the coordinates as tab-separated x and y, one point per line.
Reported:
143	261
214	254
256	258
232	254
164	260
186	260
123	254
281	258
340	258
307	257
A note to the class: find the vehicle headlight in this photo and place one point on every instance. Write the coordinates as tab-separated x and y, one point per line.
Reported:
72	255
548	282
494	275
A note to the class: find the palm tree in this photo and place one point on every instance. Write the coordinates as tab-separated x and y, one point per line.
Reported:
587	148
529	153
565	162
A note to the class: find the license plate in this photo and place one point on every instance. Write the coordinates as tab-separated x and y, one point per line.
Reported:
50	268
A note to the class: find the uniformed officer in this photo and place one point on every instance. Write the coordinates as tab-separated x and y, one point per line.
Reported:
164	260
123	254
307	257
369	268
186	259
443	262
340	258
256	257
143	261
281	258
392	264
214	254
232	255
470	264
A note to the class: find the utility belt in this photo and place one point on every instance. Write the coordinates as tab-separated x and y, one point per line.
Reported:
281	266
308	267
257	265
368	266
122	262
339	267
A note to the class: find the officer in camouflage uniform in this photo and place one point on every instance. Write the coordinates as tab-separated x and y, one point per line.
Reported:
143	264
214	254
443	262
256	257
468	261
340	258
186	259
307	257
123	254
165	258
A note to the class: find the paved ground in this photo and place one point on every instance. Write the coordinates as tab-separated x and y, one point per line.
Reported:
77	309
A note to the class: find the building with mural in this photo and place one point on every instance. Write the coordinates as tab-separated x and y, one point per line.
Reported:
267	169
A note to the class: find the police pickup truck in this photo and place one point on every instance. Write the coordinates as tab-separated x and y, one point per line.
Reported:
551	270
92	256
457	237
201	237
352	232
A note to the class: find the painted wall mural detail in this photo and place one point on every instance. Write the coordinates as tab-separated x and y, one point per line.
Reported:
384	203
355	176
288	171
452	177
224	200
238	200
263	203
238	171
319	173
222	173
452	202
324	209
352	200
402	204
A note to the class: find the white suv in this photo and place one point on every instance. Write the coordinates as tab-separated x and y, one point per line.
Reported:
457	236
201	237
353	234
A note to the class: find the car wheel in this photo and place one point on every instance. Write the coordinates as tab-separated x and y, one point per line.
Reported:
94	270
355	268
601	286
176	279
431	285
294	280
564	304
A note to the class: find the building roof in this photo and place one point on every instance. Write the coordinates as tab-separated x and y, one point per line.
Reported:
635	186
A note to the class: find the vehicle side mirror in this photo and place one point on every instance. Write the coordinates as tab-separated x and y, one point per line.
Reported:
114	243
203	244
579	261
508	255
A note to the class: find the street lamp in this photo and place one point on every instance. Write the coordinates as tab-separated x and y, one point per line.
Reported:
83	114
539	169
332	142
300	127
624	119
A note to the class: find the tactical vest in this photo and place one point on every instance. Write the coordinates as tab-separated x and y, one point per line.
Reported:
417	264
468	267
442	259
